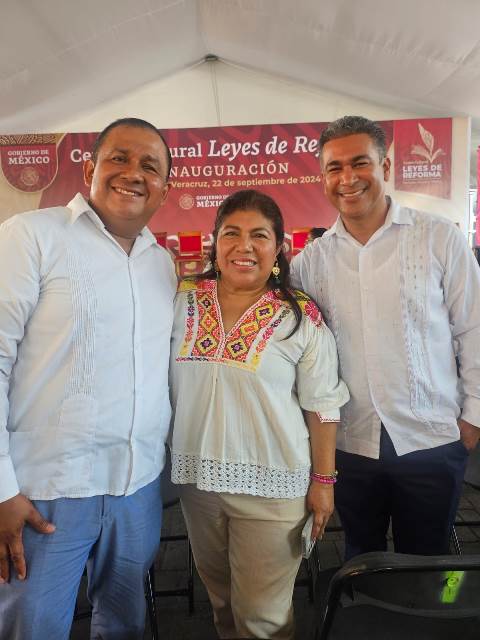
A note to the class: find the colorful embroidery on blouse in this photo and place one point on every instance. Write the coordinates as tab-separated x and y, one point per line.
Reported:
209	342
189	323
208	332
266	335
309	308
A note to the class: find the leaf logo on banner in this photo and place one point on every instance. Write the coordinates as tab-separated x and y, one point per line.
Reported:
427	151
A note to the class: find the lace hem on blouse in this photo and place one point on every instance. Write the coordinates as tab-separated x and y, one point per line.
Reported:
239	477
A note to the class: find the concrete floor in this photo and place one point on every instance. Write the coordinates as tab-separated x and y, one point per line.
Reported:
171	567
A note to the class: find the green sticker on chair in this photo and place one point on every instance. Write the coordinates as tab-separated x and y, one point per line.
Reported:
453	580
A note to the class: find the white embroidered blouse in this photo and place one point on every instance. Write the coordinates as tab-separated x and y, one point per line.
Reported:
238	397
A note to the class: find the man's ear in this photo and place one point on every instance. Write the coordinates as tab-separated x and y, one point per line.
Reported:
386	168
322	180
166	189
322	175
88	169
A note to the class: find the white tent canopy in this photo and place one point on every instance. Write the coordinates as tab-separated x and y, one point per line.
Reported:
60	59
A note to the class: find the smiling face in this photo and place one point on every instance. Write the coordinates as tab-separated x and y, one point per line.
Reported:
128	179
354	177
246	250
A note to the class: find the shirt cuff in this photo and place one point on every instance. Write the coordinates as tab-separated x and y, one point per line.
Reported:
329	416
9	485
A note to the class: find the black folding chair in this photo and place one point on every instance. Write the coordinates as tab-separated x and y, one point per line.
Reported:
390	596
170	496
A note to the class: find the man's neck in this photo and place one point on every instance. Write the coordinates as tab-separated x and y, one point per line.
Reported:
125	243
126	239
362	229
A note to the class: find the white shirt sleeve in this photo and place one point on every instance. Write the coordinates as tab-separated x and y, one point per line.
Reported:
19	292
461	287
318	386
297	269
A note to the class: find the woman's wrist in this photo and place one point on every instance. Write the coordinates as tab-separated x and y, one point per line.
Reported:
324	478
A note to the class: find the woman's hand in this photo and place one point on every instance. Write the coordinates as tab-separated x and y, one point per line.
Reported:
320	501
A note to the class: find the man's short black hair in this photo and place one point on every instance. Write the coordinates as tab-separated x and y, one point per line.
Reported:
130	122
351	125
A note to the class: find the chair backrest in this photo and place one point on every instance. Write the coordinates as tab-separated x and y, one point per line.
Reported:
187	267
390	596
190	243
299	239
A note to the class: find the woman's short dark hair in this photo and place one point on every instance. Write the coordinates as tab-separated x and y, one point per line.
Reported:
130	122
252	200
351	125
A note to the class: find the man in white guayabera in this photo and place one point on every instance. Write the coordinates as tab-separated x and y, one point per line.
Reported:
86	301
400	290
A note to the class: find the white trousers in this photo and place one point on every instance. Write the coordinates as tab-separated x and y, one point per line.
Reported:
247	550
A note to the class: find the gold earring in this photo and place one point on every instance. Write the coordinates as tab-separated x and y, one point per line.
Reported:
276	272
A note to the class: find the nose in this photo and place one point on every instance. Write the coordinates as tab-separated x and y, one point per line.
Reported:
132	172
244	242
348	175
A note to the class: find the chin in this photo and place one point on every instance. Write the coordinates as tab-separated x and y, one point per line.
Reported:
349	213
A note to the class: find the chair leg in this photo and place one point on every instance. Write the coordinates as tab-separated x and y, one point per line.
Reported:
151	575
150	596
456	542
310	582
191	603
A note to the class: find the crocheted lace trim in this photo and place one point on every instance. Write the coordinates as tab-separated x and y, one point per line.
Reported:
239	477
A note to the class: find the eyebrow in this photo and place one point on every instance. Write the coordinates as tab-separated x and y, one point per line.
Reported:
363	156
233	226
148	157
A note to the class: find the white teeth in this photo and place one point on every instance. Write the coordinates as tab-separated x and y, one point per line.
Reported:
125	192
352	195
244	263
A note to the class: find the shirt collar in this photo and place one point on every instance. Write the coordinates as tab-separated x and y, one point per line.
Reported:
79	206
395	215
398	214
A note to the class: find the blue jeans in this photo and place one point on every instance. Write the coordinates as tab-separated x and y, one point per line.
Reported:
115	537
418	491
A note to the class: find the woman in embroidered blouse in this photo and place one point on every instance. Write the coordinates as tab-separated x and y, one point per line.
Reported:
256	398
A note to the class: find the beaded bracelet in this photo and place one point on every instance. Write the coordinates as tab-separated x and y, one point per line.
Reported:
329	478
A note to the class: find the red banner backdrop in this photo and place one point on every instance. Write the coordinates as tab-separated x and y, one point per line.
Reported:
423	156
211	163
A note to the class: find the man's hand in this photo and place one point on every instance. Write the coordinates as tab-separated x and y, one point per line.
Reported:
469	434
14	515
320	501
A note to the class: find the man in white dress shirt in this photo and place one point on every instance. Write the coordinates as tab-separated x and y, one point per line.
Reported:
400	290
86	303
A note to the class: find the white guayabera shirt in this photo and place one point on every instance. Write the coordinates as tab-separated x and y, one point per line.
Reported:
401	308
84	349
